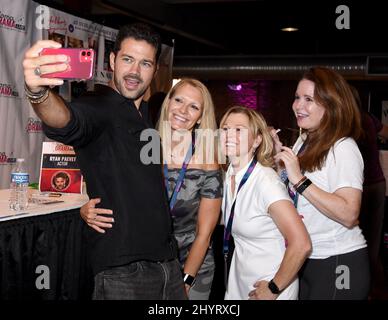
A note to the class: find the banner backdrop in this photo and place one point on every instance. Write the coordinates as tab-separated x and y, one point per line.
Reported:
20	129
22	23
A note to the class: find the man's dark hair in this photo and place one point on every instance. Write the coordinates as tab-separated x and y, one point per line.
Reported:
139	31
61	175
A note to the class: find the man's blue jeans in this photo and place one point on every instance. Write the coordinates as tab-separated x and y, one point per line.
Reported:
141	280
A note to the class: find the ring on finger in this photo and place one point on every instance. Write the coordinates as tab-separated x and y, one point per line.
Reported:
37	71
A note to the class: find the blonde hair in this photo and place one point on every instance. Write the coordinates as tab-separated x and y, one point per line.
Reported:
258	126
208	119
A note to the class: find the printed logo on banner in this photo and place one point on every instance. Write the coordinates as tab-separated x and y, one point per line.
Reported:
34	125
84	25
4	159
7	90
57	23
12	23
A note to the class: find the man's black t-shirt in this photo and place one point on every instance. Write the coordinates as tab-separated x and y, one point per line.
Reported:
105	130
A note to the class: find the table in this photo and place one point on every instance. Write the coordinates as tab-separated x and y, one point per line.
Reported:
44	240
65	202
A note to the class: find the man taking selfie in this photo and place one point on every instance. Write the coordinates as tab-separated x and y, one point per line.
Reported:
136	258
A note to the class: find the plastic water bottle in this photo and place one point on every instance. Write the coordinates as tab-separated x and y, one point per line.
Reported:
19	186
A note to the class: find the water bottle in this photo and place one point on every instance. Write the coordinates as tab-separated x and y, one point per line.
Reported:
19	186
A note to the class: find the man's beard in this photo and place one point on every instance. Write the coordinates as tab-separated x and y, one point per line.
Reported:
132	95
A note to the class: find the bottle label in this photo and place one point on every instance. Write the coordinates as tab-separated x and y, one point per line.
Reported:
19	177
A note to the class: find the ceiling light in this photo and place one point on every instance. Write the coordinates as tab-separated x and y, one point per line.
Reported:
235	87
289	29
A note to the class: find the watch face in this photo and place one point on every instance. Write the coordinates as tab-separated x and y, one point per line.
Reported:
189	280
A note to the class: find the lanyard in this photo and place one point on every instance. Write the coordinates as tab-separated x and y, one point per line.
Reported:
293	194
228	228
181	176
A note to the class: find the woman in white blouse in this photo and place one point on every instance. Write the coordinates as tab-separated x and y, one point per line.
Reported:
271	242
325	168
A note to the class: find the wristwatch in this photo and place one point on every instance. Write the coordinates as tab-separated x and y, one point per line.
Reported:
303	186
273	287
188	279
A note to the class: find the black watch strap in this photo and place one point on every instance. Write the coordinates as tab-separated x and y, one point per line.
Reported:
303	186
273	287
188	279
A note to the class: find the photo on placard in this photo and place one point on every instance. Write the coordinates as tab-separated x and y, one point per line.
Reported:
74	42
57	37
60	181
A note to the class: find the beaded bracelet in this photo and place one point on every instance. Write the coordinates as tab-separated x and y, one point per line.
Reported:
34	95
39	100
38	97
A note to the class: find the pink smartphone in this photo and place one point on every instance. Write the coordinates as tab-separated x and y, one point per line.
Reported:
81	63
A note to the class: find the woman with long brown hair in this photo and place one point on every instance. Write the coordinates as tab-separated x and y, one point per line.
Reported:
325	175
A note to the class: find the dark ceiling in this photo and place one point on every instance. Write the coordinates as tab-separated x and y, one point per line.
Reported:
221	27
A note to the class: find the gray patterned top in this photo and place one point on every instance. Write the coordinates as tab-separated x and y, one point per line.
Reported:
197	183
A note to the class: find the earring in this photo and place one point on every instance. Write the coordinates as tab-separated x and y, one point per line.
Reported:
300	131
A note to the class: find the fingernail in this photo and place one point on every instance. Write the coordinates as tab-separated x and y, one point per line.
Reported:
113	220
59	82
63	57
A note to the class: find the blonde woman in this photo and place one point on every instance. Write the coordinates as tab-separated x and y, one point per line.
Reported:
271	242
193	181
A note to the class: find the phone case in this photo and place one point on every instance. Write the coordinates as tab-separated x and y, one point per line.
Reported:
81	63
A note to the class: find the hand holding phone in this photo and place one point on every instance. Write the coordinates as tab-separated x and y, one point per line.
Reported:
80	63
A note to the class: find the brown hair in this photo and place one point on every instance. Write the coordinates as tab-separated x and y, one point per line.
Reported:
258	126
340	119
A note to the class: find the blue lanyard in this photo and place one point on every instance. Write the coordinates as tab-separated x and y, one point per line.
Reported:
294	195
228	229
181	176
